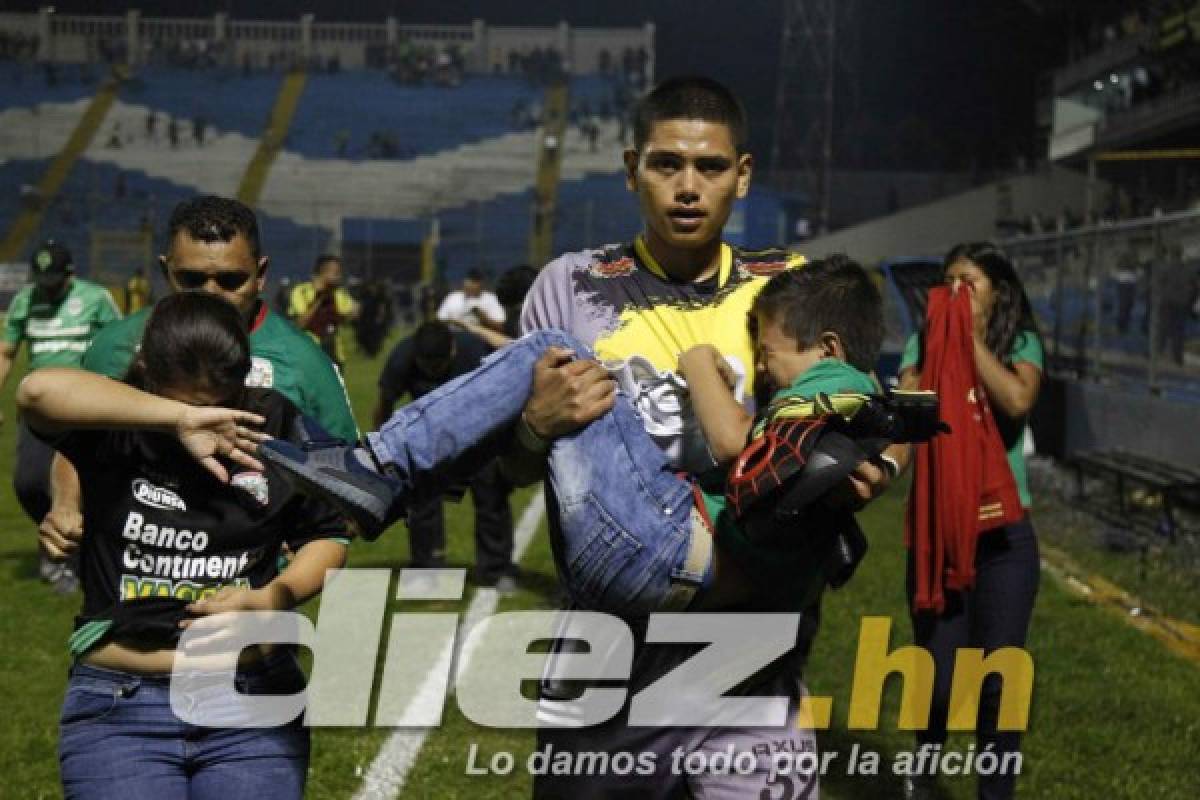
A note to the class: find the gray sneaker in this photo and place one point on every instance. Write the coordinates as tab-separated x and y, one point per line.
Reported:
48	570
66	582
336	472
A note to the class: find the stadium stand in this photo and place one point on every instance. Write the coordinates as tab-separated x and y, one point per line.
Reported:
225	99
28	86
399	122
131	174
464	151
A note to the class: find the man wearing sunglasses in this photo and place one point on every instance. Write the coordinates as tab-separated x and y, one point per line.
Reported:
213	246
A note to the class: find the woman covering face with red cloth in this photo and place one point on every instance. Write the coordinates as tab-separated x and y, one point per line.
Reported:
973	558
962	485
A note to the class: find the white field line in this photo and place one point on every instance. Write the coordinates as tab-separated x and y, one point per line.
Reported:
385	777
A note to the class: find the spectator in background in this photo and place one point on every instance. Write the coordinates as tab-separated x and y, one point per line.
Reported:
519	115
417	365
405	304
137	292
321	305
59	314
283	296
474	304
1126	278
511	289
374	318
591	132
1174	293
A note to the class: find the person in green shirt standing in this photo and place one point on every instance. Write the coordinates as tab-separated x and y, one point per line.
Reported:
58	314
213	246
994	608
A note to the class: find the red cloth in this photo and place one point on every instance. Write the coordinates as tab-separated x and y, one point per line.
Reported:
962	484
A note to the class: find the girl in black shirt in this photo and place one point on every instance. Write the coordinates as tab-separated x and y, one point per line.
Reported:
180	522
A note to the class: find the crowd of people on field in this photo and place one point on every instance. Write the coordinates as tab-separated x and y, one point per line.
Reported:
705	417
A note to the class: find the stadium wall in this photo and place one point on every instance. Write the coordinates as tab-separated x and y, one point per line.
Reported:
1103	418
972	215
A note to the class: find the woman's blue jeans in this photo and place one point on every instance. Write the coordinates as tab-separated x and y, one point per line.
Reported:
119	740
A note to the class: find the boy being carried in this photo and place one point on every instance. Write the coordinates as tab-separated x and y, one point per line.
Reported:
634	537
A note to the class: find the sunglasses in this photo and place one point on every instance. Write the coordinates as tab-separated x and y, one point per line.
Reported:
229	280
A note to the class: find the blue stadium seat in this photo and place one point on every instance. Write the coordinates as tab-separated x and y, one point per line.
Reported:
420	119
88	201
224	98
25	85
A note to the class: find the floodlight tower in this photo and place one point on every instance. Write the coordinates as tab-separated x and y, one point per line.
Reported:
817	59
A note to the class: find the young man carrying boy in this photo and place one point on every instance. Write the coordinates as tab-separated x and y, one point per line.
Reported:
675	286
816	330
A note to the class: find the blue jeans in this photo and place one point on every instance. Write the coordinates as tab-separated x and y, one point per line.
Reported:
119	740
620	519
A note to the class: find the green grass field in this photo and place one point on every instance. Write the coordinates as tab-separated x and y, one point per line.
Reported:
1115	715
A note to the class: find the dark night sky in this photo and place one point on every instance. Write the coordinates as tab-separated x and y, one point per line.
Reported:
940	83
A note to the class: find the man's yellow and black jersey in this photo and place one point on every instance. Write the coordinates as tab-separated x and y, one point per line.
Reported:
620	302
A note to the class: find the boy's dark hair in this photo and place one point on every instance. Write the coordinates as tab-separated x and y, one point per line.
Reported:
474	275
433	341
831	294
196	340
209	218
324	259
690	97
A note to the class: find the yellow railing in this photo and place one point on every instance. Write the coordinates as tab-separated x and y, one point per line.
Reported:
554	129
255	176
29	220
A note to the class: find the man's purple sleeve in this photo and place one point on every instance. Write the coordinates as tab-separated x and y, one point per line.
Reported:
550	302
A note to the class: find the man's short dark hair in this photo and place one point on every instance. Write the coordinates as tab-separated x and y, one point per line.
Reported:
474	275
324	259
209	218
433	341
831	294
690	97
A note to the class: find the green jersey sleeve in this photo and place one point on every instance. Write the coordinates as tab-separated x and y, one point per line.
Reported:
911	355
106	308
1027	347
325	397
16	316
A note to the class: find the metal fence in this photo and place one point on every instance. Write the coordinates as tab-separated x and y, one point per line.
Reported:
1119	303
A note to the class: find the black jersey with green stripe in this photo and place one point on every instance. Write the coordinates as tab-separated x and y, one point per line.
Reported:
160	531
